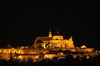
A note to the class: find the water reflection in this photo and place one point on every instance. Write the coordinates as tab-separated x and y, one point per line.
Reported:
26	58
40	57
5	56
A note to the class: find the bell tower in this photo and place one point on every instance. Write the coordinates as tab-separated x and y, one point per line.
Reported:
50	34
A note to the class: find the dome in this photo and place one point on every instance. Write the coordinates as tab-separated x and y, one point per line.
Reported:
83	46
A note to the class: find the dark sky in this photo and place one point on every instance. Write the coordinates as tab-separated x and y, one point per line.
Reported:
24	24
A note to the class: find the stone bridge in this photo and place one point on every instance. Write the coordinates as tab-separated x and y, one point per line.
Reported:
11	50
23	51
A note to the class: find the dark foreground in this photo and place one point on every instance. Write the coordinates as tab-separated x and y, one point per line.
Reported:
69	61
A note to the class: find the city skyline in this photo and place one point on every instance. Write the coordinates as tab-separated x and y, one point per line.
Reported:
27	23
25	36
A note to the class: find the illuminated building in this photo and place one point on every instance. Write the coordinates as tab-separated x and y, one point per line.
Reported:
46	43
56	41
43	45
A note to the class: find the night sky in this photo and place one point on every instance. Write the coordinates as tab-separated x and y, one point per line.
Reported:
22	25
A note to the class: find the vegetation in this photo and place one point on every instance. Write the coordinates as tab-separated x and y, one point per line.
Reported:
65	62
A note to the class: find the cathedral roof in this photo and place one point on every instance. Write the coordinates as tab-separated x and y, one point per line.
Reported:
43	38
39	41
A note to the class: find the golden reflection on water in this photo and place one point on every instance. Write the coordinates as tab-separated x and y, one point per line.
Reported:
40	57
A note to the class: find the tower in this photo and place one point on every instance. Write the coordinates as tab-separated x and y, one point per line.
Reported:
71	44
71	38
50	34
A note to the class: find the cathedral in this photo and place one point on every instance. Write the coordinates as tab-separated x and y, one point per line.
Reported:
46	43
53	41
46	47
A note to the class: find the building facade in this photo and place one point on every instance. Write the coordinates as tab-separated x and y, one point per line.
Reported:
56	41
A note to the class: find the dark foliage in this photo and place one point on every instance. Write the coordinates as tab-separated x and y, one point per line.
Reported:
68	61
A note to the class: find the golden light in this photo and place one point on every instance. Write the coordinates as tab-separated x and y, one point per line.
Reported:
48	44
20	57
83	46
87	57
37	57
22	47
0	51
44	45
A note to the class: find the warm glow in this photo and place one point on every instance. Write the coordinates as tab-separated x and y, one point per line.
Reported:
48	48
50	34
58	37
22	47
87	57
20	57
44	45
83	46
